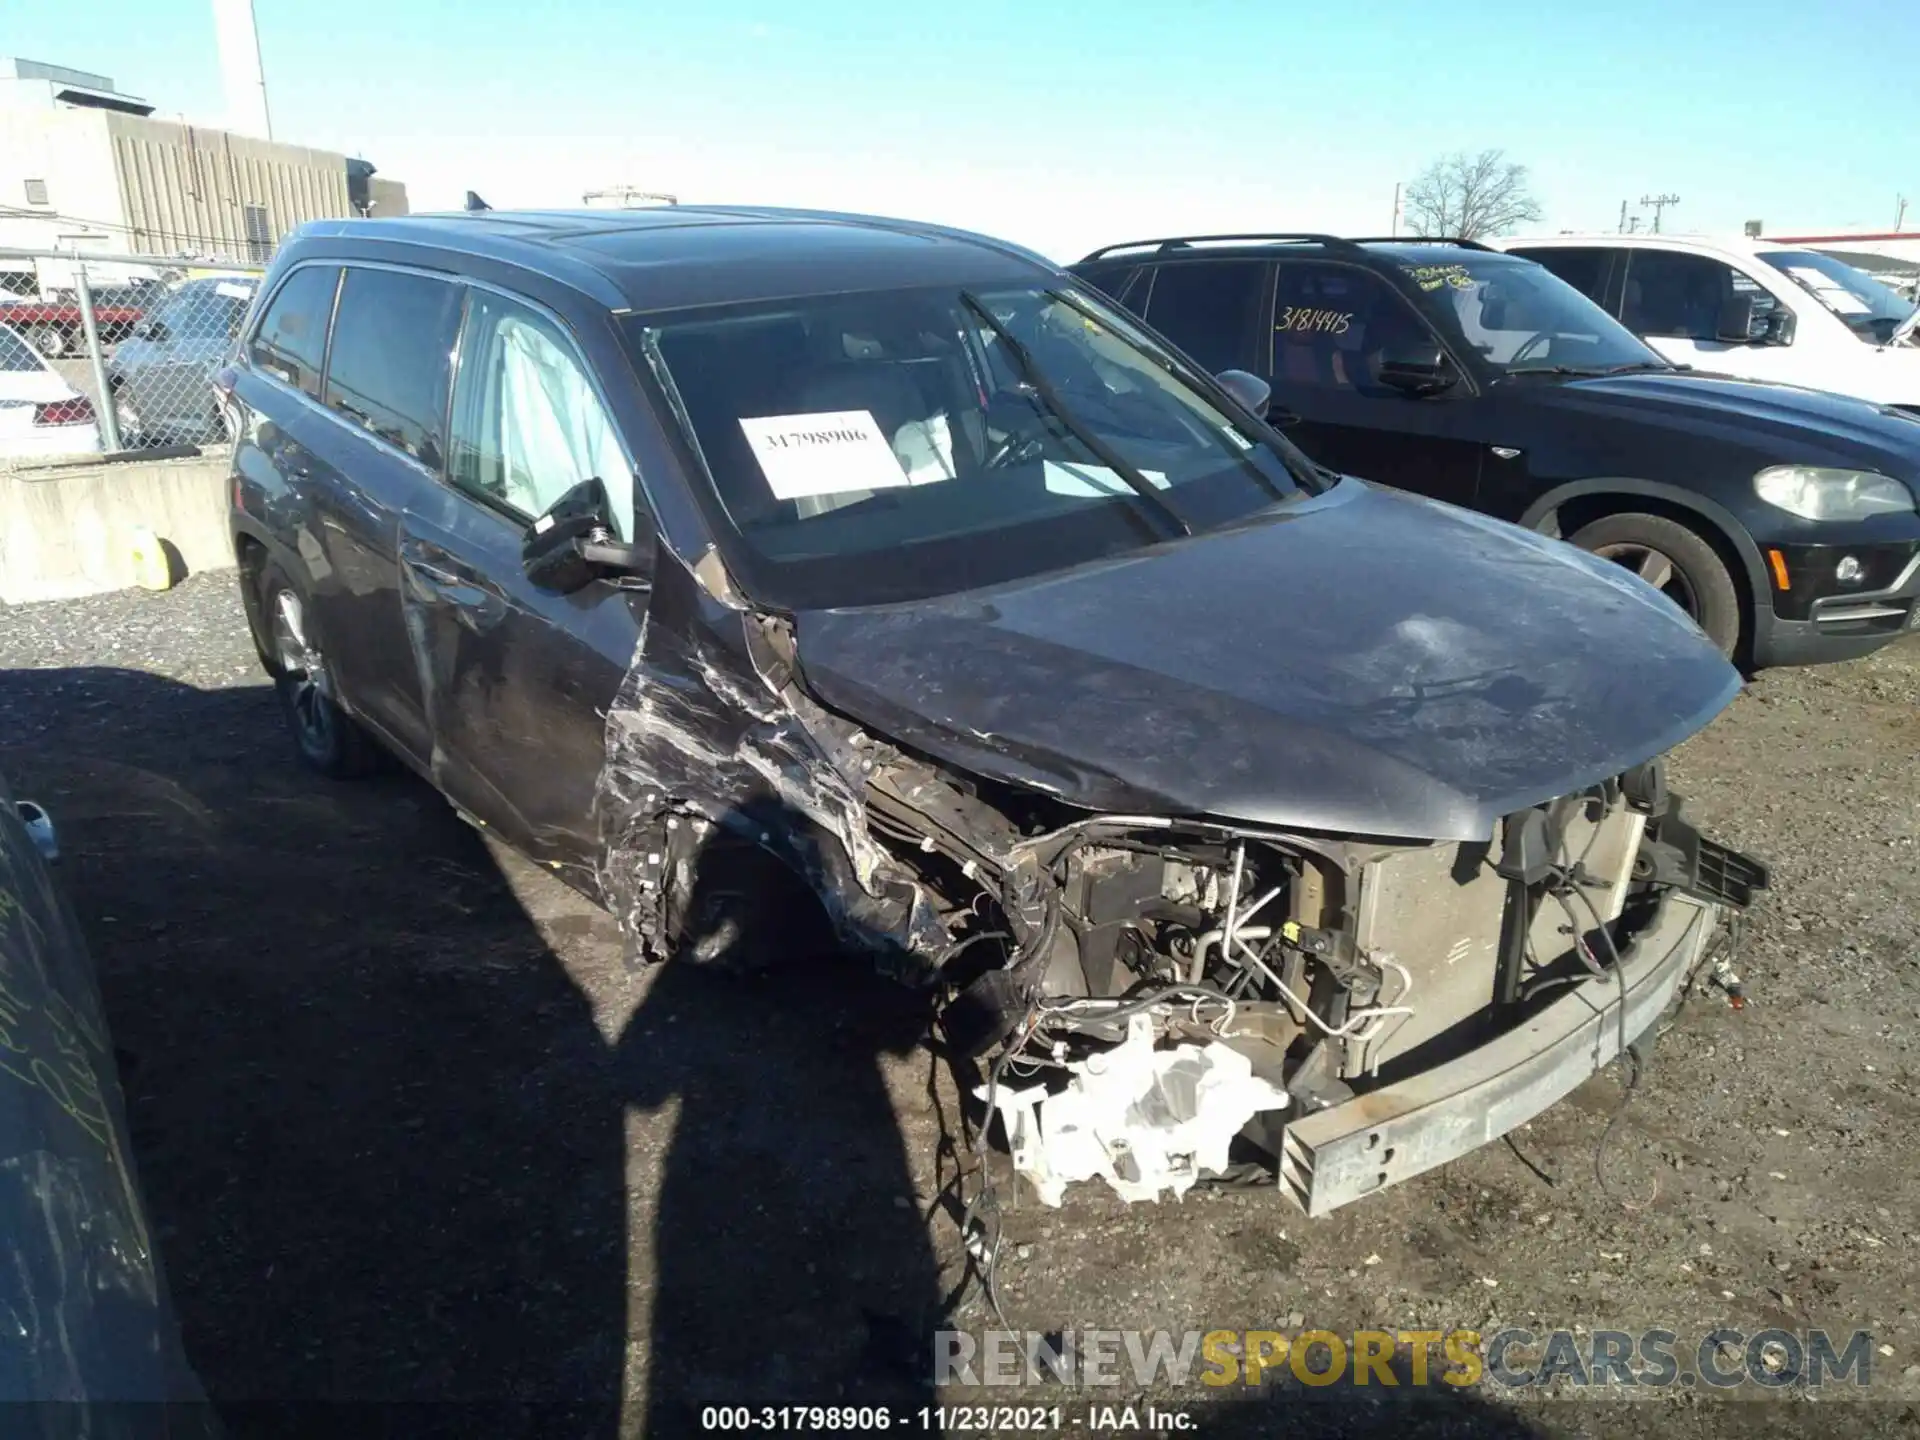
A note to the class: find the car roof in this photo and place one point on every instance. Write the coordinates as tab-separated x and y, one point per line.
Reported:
1741	246
682	255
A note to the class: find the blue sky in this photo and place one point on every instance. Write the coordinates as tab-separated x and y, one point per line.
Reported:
1068	126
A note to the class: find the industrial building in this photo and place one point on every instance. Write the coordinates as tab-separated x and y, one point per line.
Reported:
87	167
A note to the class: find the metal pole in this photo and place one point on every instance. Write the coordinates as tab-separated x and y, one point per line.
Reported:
1395	230
109	422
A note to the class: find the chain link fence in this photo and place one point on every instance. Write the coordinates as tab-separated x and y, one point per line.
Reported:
115	353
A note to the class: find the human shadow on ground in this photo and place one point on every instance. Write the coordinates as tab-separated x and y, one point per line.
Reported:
384	1141
402	1179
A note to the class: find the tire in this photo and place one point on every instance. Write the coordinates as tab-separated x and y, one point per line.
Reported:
1677	561
747	912
50	340
329	740
127	419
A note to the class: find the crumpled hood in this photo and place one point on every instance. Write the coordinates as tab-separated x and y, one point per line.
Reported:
1364	661
1746	411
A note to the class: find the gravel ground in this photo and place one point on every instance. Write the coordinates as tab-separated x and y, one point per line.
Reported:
411	1131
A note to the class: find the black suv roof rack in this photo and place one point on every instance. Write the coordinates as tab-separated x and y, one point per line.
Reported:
1296	237
1177	242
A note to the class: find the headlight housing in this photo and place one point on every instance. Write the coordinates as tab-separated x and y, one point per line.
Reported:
1815	493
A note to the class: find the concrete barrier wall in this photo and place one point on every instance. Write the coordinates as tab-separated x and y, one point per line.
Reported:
68	529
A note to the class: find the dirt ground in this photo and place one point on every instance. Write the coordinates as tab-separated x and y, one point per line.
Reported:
415	1139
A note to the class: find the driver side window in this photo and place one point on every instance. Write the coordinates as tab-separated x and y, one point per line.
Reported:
1333	323
527	423
1679	296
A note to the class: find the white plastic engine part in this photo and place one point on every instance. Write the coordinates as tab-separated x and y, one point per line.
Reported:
1145	1120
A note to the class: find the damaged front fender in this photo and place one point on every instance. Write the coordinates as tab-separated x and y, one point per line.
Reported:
709	739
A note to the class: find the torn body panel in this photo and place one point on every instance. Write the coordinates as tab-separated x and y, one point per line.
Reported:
706	734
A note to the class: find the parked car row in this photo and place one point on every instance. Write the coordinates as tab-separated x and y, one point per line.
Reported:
765	571
166	345
1781	519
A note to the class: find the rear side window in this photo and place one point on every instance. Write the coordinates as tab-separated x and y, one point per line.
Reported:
1585	270
392	344
1333	325
292	339
1210	309
14	352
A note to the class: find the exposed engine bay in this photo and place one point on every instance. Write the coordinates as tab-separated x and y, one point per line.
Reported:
1274	976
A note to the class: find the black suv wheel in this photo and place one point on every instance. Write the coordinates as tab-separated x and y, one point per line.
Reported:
1677	562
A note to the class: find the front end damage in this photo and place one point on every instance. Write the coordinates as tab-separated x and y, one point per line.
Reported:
1161	999
1346	1012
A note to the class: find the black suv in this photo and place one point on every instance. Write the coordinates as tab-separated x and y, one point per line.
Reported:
1783	520
696	550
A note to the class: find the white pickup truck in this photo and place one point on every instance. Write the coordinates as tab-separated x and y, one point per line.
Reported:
1751	308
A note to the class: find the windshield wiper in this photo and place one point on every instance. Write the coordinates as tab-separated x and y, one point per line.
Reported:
1043	390
1592	370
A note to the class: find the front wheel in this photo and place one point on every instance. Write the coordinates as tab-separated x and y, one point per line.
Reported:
50	340
330	740
1676	561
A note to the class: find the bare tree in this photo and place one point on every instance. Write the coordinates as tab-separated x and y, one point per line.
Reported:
1466	197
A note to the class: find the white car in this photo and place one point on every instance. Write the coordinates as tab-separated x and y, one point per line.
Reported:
41	415
1755	309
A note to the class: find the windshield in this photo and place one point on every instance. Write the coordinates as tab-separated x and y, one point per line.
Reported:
900	444
1865	306
1525	320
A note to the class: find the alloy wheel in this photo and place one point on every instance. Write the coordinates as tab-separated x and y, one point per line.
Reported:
1658	569
303	674
126	419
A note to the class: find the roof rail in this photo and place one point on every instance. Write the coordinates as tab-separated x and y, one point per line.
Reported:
1422	240
1177	242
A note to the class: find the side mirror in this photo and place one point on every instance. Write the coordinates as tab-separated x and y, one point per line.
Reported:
1418	369
1250	392
574	544
1739	322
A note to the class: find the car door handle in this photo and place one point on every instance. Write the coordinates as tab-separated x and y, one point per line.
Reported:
473	601
437	575
1280	416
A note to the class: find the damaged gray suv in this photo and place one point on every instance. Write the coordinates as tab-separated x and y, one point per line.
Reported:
729	560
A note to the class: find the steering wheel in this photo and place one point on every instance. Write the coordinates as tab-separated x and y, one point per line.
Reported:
1527	346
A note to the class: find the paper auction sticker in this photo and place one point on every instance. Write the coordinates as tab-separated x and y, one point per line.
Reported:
831	453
